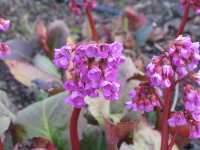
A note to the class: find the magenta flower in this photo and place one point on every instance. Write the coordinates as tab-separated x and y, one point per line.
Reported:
94	74
91	69
62	57
75	99
185	55
4	25
110	90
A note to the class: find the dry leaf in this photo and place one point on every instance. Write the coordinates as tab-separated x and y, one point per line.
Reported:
41	32
26	73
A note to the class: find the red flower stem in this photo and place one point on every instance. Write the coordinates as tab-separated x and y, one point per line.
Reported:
184	20
95	35
75	144
172	141
1	144
164	123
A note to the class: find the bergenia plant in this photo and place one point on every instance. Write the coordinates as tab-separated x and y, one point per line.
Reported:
93	69
177	65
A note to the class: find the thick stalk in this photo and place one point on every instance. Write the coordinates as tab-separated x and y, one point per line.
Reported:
184	19
95	35
166	114
168	93
75	144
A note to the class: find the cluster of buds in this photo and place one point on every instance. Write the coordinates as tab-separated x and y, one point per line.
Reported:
143	98
194	3
160	71
77	6
4	49
93	69
191	115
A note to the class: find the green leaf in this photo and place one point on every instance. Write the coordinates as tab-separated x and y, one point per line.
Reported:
99	108
4	106
48	118
5	123
45	64
41	95
5	114
93	139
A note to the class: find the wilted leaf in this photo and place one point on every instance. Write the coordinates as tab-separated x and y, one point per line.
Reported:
46	65
137	76
26	73
48	118
41	32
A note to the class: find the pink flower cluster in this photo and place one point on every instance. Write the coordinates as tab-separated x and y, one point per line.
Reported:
76	7
194	3
93	68
191	114
4	49
143	98
185	55
181	59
